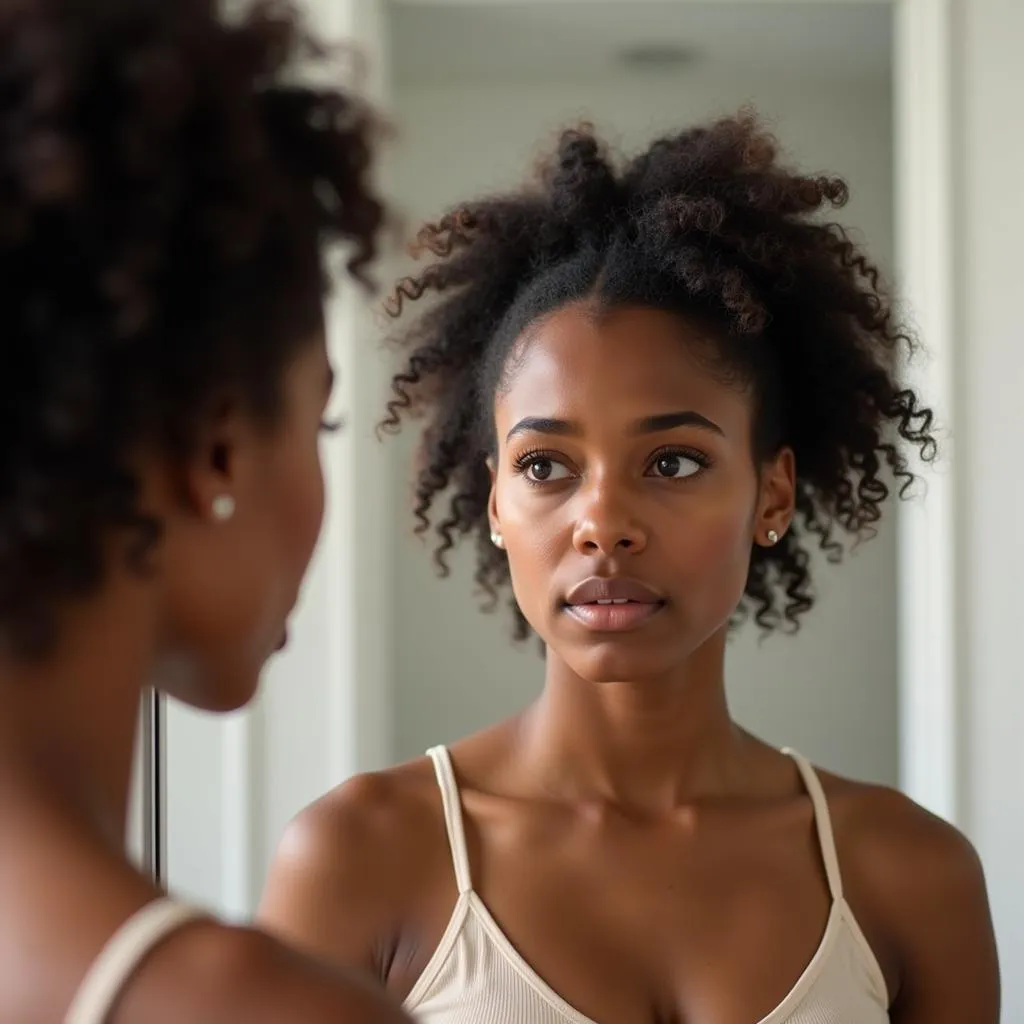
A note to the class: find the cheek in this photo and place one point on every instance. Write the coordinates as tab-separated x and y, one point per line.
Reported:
300	508
539	540
714	538
533	561
709	553
535	538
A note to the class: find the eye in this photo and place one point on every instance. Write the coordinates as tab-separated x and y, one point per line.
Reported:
542	470
675	465
540	467
331	426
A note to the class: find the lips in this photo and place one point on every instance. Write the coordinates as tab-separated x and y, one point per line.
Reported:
612	604
612	589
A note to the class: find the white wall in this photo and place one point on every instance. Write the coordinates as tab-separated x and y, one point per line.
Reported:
990	463
233	783
831	691
962	590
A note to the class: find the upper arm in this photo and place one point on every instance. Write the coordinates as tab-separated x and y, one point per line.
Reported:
280	984
331	885
212	974
950	967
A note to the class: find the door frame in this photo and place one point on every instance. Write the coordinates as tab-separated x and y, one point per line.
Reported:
931	653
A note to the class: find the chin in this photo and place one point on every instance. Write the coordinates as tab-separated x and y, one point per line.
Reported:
235	698
221	699
206	687
613	662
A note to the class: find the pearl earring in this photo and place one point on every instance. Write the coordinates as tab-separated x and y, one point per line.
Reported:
773	537
497	540
223	508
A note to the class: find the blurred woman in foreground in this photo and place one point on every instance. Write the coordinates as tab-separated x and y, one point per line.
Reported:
167	193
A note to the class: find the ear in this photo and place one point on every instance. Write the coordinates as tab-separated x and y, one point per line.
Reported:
777	499
212	475
492	500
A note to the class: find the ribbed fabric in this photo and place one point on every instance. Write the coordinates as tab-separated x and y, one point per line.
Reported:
116	964
476	975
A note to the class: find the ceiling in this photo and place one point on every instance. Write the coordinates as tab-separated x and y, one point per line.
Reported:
467	40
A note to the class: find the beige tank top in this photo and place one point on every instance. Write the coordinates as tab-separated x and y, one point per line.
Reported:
477	975
120	957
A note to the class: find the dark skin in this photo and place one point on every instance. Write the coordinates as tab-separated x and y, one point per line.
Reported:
628	777
201	623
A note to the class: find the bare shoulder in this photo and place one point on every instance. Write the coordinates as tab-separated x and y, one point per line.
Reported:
917	886
367	822
351	864
892	842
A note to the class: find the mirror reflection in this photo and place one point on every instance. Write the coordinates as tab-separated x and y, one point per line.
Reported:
478	95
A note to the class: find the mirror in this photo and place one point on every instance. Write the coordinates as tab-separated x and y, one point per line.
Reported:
385	659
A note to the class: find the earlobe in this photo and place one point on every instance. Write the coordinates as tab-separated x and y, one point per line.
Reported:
223	508
209	474
778	496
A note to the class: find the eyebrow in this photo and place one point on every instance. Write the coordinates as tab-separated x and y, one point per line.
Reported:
329	381
648	425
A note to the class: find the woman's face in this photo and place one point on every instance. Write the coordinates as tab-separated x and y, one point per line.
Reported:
625	490
229	584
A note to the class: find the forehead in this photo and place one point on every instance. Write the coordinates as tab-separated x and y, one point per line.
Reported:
617	365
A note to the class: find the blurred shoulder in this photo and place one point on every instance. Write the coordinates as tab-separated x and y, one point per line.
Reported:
215	972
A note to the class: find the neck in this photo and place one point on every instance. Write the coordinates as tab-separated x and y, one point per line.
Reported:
68	722
654	744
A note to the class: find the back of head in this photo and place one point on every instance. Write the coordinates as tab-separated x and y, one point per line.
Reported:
167	187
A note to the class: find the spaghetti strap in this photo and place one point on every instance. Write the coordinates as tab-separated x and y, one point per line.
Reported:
823	822
118	960
452	816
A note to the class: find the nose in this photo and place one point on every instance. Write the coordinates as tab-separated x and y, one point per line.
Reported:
606	524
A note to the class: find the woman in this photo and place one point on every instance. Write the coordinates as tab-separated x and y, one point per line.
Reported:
166	191
648	394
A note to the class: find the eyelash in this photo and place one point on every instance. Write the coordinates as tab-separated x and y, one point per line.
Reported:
331	426
523	462
692	454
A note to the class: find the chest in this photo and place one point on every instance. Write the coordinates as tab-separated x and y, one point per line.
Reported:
652	925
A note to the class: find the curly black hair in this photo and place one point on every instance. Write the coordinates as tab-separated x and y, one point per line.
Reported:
708	224
167	190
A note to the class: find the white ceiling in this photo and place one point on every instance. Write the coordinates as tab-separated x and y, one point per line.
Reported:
466	40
